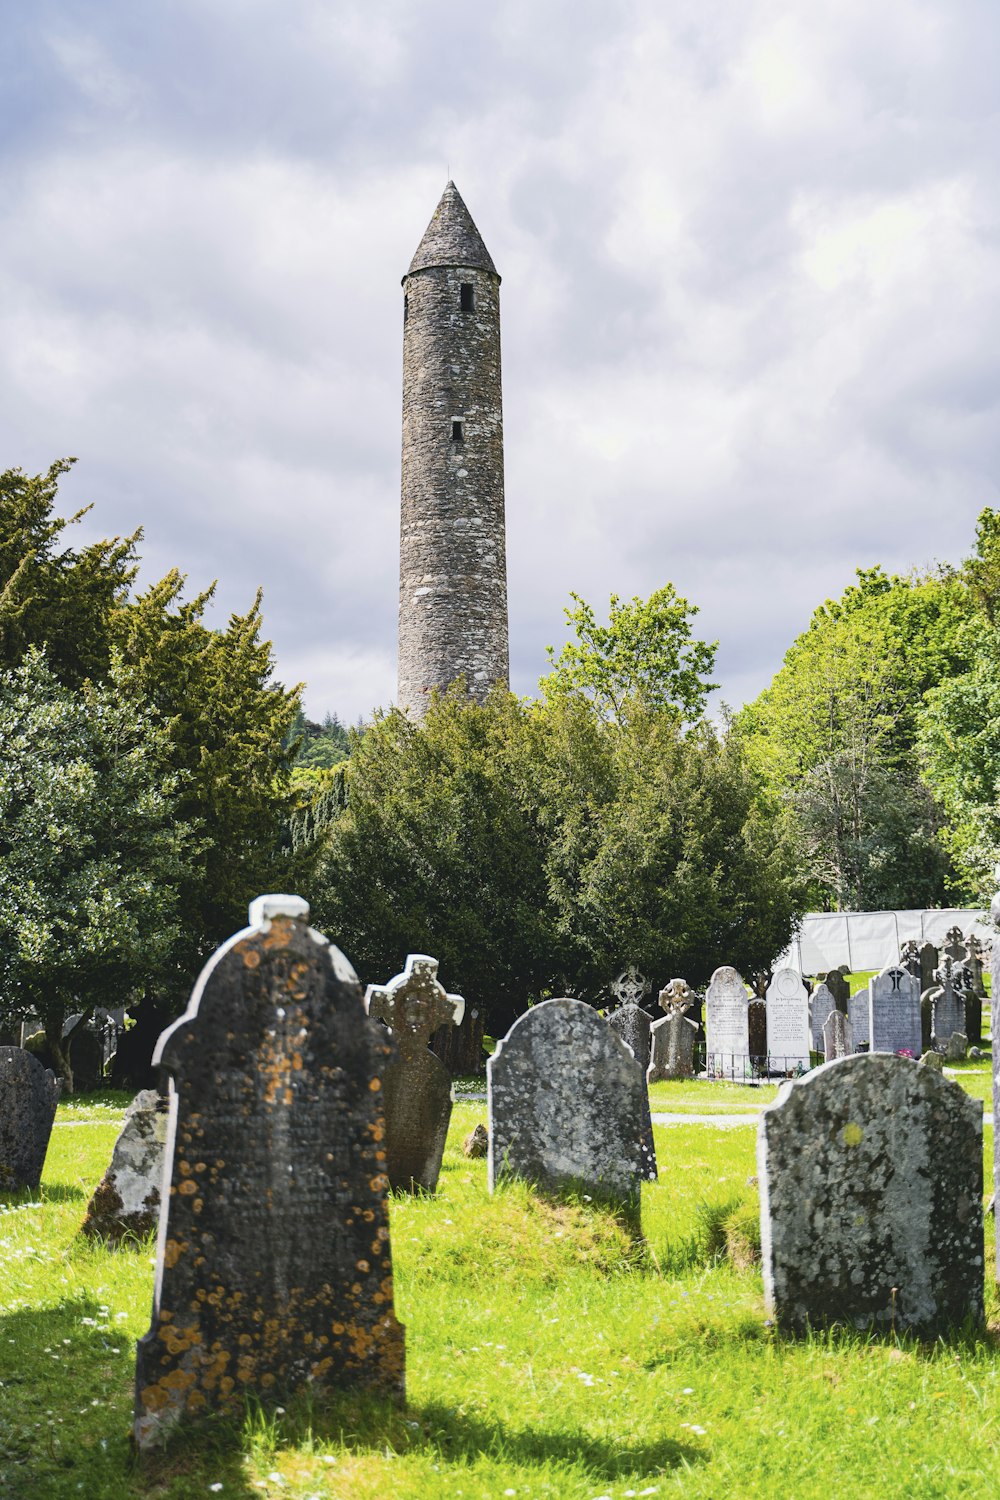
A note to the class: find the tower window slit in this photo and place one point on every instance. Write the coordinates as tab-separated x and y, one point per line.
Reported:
406	308
468	298
457	435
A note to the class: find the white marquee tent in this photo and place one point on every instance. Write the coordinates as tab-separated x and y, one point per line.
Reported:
871	939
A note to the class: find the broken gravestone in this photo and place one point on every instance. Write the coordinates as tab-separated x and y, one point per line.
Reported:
568	1107
837	1040
871	1198
29	1094
673	1037
273	1270
416	1088
126	1203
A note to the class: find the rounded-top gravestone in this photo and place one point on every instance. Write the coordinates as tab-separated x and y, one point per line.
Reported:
29	1094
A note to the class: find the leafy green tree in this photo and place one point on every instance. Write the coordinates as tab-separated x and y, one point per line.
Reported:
317	747
55	596
93	852
645	653
836	735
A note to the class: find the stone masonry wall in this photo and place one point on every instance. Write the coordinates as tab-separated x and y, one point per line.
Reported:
453	569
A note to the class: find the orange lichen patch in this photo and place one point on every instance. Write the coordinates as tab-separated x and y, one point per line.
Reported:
184	1168
180	1340
200	1166
267	1380
187	1187
251	960
319	1369
153	1398
245	1340
172	1252
375	1085
362	1265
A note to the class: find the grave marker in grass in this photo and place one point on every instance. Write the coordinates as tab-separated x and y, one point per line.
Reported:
126	1202
273	1270
870	1174
568	1106
787	1021
727	1026
894	1012
417	1085
673	1037
29	1094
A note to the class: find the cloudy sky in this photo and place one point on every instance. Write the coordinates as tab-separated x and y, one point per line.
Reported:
751	295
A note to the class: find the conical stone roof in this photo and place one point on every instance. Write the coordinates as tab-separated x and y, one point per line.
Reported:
451	238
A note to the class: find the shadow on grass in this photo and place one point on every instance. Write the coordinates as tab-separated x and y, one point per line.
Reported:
971	1339
361	1425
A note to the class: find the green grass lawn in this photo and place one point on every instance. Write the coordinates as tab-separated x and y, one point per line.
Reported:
548	1355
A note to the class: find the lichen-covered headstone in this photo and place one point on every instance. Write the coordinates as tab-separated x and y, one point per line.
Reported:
417	1085
673	1037
787	1022
837	1039
870	1173
568	1106
29	1094
970	996
727	1027
273	1269
894	1012
631	987
821	1002
126	1203
632	1024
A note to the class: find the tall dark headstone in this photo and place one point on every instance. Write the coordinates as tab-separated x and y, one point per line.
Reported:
273	1270
836	983
417	1085
568	1106
871	1180
757	1035
928	963
29	1094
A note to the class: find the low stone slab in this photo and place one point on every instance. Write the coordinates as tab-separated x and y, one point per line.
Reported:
126	1203
871	1185
29	1094
568	1105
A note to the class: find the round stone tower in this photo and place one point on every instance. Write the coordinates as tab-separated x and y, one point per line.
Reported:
452	552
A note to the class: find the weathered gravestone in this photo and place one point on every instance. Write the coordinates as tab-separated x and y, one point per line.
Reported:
909	957
568	1106
787	1022
757	1035
673	1037
894	1012
821	1002
29	1094
928	963
836	983
727	1034
947	1007
870	1175
970	999
837	1039
126	1203
955	946
632	1024
631	987
859	1020
416	1088
273	1270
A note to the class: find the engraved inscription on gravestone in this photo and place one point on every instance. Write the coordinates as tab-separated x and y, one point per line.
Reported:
894	1012
870	1174
567	1105
947	1007
29	1094
273	1266
727	1036
860	1022
787	1022
417	1085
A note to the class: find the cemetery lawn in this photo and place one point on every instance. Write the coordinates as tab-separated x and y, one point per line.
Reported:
547	1354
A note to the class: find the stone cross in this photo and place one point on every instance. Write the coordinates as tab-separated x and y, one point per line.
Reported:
672	1038
631	987
568	1107
909	957
871	1179
29	1094
947	1007
273	1272
955	945
676	998
417	1086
